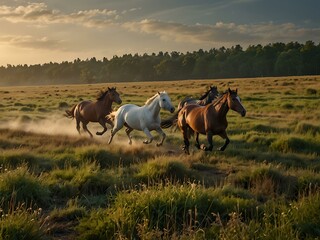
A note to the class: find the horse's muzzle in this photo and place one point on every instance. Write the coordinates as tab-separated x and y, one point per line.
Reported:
120	101
172	110
243	113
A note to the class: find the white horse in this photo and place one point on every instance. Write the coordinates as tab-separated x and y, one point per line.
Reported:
145	118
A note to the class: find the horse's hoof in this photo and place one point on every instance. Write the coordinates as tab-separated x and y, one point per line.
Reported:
159	144
130	142
186	150
203	147
221	149
98	133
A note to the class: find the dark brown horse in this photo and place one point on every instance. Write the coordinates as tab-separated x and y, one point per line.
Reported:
88	111
205	99
209	120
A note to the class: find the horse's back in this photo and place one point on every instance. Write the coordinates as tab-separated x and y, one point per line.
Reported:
193	116
84	104
129	114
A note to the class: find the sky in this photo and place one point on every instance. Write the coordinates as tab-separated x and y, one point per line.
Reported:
37	32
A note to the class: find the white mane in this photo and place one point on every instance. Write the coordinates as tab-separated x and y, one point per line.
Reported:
153	97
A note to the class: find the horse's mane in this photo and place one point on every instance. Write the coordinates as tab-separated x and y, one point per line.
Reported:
217	100
102	93
152	98
206	93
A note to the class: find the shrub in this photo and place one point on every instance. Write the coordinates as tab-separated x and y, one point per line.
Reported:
87	179
20	186
305	214
26	109
63	105
288	106
311	91
22	223
267	182
14	160
264	128
161	169
102	157
289	144
296	145
304	128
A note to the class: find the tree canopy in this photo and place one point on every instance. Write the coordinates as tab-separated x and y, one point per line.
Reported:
274	59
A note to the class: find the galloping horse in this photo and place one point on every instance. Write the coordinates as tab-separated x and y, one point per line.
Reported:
145	118
207	98
88	111
209	120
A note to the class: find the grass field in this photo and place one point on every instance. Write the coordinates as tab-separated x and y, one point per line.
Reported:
55	184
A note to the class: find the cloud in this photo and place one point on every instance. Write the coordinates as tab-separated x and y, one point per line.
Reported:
31	42
40	14
228	33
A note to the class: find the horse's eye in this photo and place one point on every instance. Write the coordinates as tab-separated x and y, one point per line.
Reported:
163	100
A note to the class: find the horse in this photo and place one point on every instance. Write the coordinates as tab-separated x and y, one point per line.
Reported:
145	118
205	99
88	111
209	120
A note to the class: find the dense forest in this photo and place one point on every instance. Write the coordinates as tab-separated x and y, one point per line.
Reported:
274	59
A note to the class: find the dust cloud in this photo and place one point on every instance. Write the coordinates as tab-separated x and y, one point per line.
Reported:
52	125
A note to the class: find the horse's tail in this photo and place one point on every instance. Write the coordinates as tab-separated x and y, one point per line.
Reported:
166	123
111	116
70	113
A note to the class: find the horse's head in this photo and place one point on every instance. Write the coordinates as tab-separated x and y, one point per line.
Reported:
165	102
234	102
114	95
213	93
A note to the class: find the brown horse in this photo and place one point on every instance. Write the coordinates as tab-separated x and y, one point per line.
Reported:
209	120
88	111
205	99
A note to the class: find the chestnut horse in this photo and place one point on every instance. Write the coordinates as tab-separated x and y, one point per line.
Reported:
88	111
209	120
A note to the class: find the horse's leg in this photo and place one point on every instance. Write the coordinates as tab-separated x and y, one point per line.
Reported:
78	125
77	121
224	136
209	138
185	134
103	124
128	131
117	126
149	136
197	140
159	130
84	125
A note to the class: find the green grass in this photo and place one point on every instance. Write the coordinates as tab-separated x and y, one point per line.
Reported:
265	185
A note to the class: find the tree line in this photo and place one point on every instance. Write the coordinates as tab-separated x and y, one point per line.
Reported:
274	59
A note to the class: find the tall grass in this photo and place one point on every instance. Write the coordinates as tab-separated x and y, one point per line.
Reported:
20	222
165	210
265	185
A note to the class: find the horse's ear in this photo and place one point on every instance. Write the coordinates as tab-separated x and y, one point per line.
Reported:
158	93
109	88
236	90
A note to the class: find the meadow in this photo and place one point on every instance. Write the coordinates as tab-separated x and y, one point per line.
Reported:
56	184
